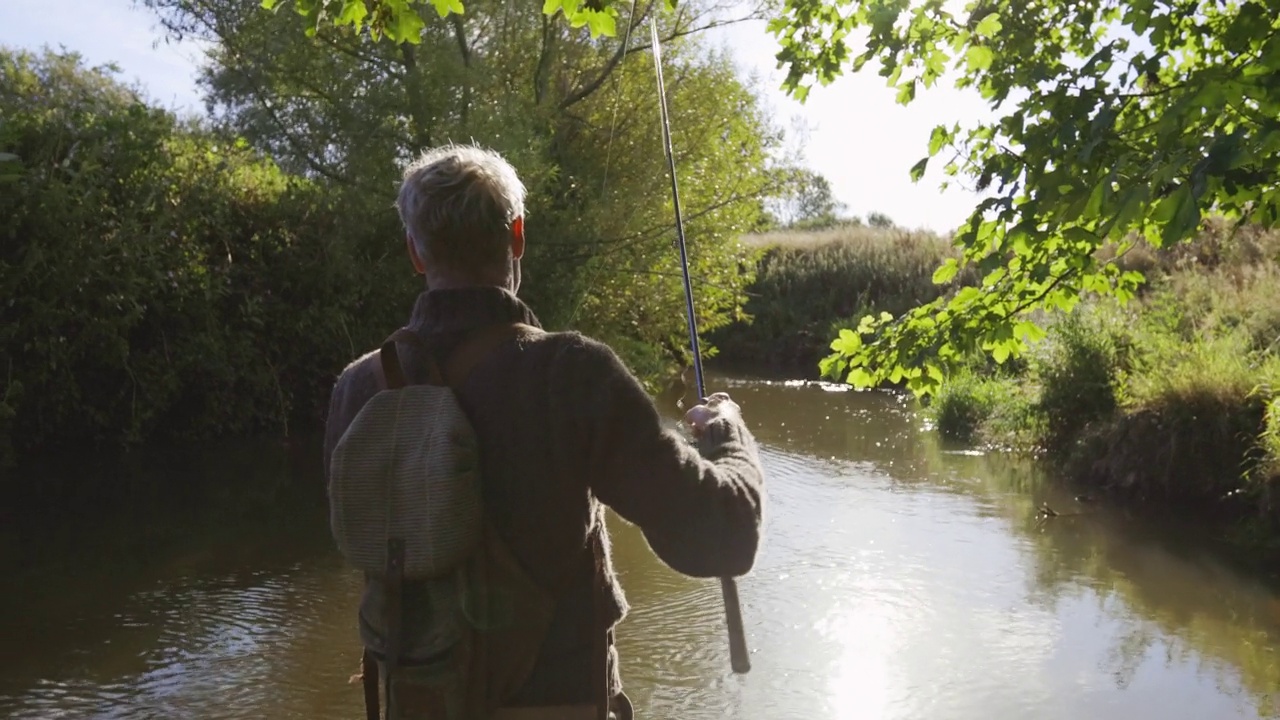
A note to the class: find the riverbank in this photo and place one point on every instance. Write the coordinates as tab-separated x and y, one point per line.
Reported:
1168	403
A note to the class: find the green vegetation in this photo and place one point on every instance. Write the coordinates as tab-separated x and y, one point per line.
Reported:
577	117
1113	122
1171	399
809	284
160	281
170	278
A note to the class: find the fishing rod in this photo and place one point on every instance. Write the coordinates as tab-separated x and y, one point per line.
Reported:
738	656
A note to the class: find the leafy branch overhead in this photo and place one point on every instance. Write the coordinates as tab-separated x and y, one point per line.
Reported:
400	22
1114	122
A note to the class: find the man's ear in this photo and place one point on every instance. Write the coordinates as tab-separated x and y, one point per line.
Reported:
419	266
517	238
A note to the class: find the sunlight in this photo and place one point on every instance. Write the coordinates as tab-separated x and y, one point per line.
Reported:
860	681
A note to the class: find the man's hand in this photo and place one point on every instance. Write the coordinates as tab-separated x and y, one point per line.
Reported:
716	406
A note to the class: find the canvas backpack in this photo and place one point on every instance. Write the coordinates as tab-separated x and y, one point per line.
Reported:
459	621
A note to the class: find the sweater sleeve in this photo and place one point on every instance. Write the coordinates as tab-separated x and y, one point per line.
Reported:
700	508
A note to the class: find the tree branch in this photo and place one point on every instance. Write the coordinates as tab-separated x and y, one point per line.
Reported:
380	63
460	34
413	88
586	90
540	70
582	92
297	144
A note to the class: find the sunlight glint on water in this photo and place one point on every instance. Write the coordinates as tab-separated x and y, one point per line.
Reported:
898	580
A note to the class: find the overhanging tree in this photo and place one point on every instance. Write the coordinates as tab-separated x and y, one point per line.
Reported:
1119	122
1115	121
575	114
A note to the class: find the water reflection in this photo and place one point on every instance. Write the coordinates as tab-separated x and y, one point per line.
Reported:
900	578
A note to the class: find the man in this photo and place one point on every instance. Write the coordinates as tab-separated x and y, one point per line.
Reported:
563	428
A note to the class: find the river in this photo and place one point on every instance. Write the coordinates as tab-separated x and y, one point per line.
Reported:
899	578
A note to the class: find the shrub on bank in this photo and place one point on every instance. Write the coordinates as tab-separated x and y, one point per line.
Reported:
1080	369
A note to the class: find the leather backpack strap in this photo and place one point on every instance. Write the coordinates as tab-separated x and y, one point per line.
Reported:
393	377
369	678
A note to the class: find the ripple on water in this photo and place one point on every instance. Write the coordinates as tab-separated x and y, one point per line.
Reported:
221	647
893	584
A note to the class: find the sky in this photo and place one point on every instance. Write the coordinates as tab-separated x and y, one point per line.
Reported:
857	135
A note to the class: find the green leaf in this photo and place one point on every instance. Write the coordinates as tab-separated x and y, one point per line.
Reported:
600	23
946	272
1001	351
917	170
1093	208
847	343
1168	208
906	93
353	13
978	58
860	379
939	137
934	373
989	26
1185	220
1079	234
1028	331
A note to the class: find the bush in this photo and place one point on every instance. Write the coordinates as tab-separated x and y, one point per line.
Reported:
1079	369
963	407
1169	399
160	281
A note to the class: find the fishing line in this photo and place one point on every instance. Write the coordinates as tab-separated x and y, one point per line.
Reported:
617	97
594	270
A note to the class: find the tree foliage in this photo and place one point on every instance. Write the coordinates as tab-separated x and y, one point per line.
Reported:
1123	121
1120	121
577	115
158	281
804	201
401	21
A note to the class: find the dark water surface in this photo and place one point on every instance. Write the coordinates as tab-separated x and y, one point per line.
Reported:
899	579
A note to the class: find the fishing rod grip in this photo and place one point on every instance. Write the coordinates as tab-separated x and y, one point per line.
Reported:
739	658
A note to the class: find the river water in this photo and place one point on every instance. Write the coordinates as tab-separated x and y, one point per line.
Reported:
899	578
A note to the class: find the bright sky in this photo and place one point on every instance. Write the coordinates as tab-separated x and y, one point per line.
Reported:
859	138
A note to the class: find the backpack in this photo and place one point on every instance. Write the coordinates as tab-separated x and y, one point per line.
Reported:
457	621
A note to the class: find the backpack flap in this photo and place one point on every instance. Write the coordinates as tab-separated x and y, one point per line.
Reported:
407	468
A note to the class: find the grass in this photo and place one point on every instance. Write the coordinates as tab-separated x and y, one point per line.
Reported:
810	284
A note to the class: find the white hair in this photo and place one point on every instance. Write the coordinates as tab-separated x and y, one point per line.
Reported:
457	204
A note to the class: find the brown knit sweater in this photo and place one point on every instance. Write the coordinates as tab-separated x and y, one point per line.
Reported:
563	427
